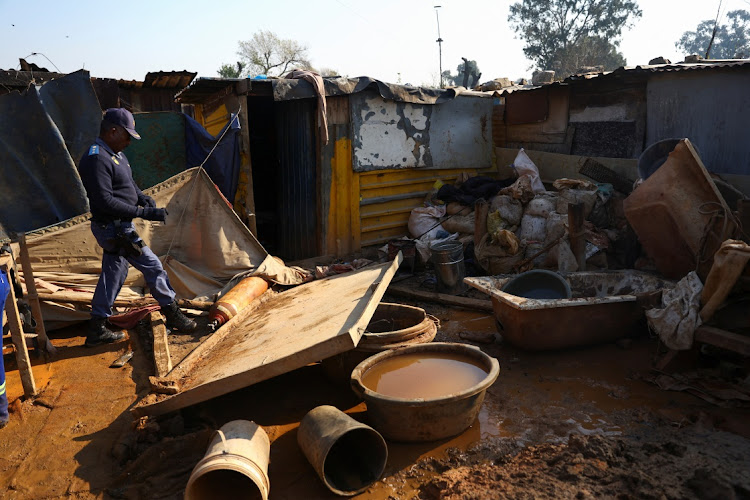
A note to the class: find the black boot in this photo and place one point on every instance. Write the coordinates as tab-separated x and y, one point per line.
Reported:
176	320
100	334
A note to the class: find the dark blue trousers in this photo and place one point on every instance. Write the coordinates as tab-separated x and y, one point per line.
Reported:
115	267
4	289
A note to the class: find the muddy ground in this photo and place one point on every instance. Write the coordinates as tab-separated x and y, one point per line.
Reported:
574	424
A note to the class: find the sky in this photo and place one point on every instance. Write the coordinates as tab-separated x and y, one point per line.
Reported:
391	40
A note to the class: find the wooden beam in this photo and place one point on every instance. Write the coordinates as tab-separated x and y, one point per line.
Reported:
67	296
441	298
724	339
247	166
36	308
576	234
16	333
162	359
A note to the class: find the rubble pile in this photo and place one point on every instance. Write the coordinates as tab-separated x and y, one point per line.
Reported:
515	225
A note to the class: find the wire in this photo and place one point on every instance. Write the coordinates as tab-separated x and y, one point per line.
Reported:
47	58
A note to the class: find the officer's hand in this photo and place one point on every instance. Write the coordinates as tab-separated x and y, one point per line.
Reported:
146	201
153	213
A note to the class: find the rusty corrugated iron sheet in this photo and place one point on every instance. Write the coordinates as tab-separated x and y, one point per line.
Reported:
161	80
641	71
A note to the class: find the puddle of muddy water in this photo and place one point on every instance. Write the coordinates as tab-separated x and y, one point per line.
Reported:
538	398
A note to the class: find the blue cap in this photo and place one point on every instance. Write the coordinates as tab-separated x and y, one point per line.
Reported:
123	118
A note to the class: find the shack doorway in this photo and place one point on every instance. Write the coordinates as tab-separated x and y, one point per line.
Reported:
282	150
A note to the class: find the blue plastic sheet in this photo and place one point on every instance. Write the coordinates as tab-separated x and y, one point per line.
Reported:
40	184
223	165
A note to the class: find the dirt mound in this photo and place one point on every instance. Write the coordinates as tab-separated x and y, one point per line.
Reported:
677	466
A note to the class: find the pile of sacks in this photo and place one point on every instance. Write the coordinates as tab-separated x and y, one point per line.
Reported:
524	226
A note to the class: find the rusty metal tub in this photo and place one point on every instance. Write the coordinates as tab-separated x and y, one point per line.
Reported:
603	308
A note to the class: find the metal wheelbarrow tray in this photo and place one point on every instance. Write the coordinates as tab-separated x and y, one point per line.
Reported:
603	308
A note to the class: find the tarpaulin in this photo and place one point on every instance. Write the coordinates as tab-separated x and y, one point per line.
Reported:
40	184
223	166
72	104
203	245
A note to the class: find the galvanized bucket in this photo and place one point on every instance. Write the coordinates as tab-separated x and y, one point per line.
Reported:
448	258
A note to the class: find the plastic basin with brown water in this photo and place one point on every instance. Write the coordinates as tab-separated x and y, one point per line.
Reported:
424	392
392	326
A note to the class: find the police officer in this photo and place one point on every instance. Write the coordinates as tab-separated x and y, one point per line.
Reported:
115	200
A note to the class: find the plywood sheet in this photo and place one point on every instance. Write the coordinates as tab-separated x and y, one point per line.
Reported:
294	328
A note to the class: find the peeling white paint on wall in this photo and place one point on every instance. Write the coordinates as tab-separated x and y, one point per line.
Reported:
386	139
390	134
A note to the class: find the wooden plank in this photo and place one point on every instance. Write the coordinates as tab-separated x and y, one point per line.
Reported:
247	166
33	297
74	297
302	325
16	332
162	359
441	298
724	339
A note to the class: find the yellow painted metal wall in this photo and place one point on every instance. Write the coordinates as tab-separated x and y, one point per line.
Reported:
387	197
215	120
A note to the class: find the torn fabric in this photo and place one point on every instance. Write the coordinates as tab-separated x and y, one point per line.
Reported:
677	320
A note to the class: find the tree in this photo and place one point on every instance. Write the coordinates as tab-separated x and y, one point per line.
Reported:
267	54
590	51
732	40
553	28
467	74
230	71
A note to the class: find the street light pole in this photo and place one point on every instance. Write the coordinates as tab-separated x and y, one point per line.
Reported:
440	45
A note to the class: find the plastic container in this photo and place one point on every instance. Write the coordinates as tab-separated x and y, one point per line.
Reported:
391	327
448	258
347	455
408	419
234	466
654	157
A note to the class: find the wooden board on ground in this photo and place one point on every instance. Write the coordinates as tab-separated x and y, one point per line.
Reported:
303	325
162	359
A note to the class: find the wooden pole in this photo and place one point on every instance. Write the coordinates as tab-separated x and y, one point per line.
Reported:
576	234
36	308
16	333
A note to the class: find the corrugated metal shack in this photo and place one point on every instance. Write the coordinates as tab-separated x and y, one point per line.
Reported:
388	145
155	93
620	113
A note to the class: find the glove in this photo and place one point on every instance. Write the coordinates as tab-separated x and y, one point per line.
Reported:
146	201
153	213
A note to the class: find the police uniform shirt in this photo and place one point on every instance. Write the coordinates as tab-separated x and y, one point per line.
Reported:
109	183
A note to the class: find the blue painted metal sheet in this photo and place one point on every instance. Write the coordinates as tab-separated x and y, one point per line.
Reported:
709	108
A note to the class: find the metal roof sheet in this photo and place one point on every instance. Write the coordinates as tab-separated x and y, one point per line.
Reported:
640	71
16	79
161	80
